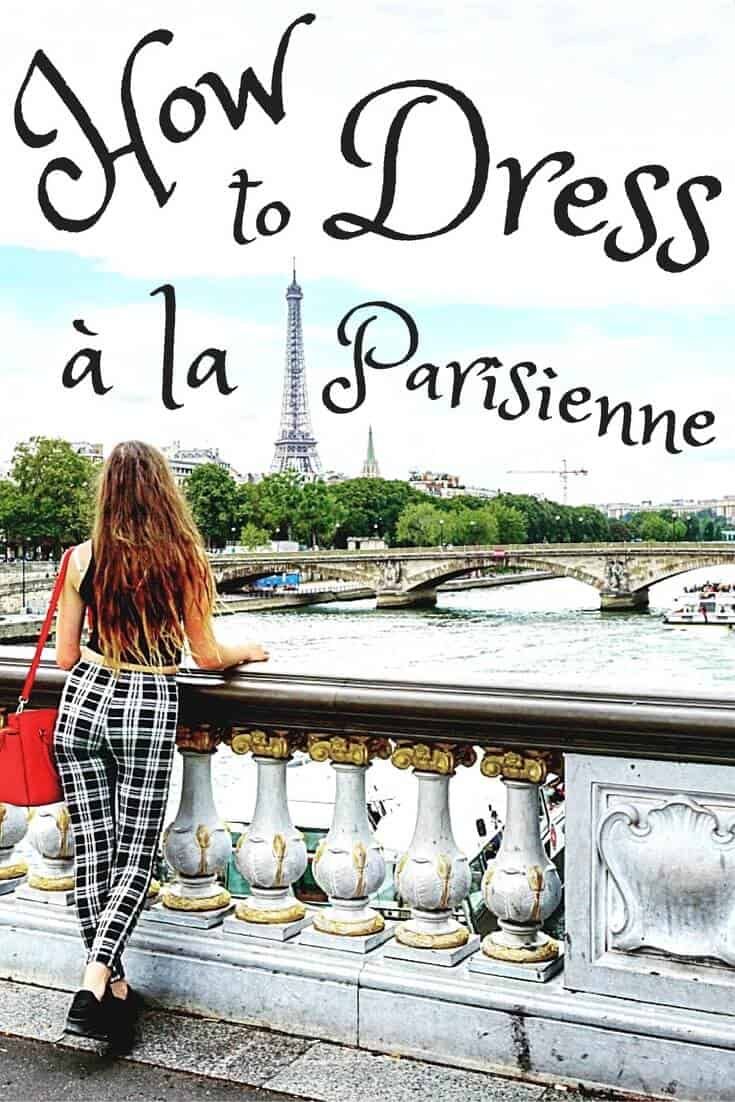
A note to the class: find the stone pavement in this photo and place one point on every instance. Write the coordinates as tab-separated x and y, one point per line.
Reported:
181	1057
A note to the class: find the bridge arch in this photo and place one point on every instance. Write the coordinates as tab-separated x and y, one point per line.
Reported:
435	575
674	569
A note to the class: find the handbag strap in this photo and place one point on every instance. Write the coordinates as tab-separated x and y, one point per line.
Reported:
45	629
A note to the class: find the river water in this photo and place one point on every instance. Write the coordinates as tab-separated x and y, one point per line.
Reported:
548	633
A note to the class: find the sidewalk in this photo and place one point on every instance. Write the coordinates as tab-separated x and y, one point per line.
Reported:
181	1058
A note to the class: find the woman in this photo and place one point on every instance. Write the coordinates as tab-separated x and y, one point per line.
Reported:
146	586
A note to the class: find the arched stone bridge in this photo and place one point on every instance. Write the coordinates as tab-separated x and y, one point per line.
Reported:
408	576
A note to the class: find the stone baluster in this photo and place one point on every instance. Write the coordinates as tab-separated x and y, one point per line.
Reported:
433	876
51	877
348	864
197	844
521	887
13	828
271	853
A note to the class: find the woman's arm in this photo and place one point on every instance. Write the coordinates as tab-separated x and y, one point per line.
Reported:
69	621
207	651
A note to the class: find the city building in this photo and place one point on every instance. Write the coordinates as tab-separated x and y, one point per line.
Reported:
366	543
185	460
370	468
438	484
680	507
296	444
94	452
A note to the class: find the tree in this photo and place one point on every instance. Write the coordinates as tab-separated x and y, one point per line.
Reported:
12	515
275	502
52	500
471	526
509	521
419	526
654	527
316	515
212	493
253	537
619	531
370	505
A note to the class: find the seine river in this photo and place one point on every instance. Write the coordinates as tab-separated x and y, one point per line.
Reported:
545	633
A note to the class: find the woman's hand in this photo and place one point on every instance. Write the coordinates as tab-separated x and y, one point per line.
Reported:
255	653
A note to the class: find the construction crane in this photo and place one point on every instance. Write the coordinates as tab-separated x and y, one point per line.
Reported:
565	474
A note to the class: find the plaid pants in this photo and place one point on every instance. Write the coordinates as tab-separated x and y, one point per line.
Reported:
114	745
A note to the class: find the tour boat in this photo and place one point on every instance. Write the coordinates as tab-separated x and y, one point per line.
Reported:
706	605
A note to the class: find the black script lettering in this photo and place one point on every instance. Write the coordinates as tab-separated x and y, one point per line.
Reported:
270	102
169	335
195	100
545	392
650	422
518	183
577	396
241	184
425	375
569	197
694	222
218	368
367	358
64	165
346	225
704	419
607	414
93	357
641	210
521	392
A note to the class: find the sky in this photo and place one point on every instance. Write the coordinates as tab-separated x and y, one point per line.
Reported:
618	86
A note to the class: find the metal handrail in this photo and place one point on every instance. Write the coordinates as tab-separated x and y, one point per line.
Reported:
648	725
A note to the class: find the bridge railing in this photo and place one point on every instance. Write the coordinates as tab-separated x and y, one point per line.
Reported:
649	782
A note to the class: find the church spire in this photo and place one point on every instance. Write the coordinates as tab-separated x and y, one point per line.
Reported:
370	467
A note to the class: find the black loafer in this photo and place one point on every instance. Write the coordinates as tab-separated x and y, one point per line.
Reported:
88	1016
122	1017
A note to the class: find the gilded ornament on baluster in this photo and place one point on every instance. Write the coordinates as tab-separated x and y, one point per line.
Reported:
548	951
372	925
51	883
203	839
444	871
279	852
519	765
195	903
438	757
9	872
357	750
267	917
451	940
203	739
277	744
63	822
359	860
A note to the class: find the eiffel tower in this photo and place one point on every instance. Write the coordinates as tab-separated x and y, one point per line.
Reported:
296	443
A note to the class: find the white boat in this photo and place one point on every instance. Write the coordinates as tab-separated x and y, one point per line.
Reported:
710	605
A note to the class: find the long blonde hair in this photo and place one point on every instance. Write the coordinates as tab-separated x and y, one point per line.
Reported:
149	557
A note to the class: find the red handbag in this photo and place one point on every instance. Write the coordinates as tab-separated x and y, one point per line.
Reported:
28	775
